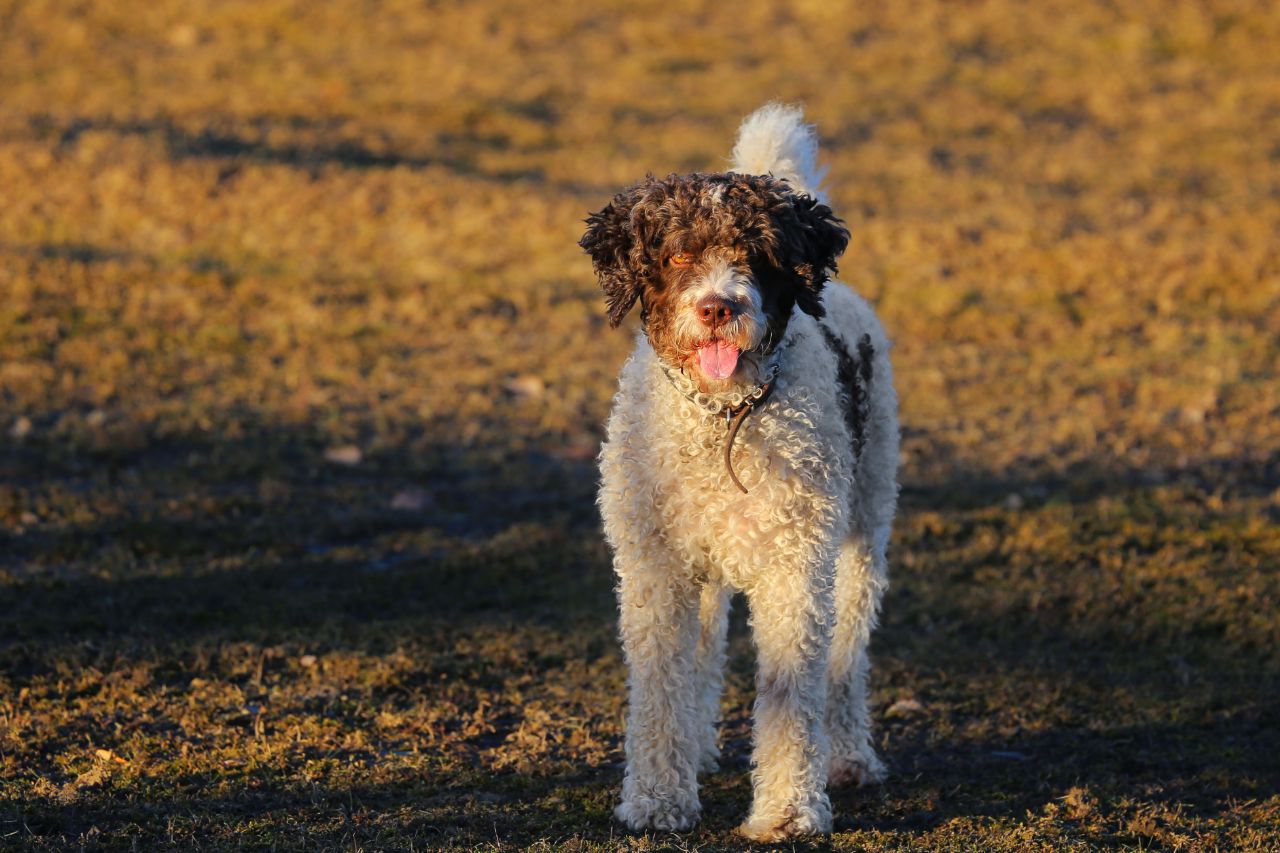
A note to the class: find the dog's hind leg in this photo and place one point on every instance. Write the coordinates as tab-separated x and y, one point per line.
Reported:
862	573
860	582
659	625
709	670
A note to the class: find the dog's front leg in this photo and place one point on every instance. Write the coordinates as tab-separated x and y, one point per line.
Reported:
659	626
709	670
791	625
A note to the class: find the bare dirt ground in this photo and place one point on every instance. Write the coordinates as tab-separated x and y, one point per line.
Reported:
302	376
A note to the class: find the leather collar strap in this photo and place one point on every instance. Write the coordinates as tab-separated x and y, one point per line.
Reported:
734	416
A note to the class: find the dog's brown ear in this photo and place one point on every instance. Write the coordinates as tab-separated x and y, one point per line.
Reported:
810	239
617	241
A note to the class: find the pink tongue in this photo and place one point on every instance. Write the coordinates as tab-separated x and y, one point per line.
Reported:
718	359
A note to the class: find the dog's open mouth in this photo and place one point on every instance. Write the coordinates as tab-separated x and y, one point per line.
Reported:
717	359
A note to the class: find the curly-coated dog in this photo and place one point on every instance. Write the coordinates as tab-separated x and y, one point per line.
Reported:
753	446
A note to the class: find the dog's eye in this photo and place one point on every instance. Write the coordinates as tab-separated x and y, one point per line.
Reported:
680	259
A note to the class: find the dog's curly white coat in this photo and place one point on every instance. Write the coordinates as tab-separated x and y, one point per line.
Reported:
806	546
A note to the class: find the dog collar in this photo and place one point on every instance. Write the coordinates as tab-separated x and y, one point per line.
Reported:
735	410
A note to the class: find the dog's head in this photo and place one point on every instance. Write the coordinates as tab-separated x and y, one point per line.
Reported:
717	262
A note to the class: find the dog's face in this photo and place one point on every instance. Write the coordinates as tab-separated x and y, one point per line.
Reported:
717	262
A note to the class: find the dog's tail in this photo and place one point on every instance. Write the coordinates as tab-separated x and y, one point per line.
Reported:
775	140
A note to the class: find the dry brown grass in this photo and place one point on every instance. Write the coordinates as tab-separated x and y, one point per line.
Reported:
238	237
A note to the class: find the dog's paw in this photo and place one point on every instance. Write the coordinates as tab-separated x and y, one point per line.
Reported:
641	813
861	769
792	822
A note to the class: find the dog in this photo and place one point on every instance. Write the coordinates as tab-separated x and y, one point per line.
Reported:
753	447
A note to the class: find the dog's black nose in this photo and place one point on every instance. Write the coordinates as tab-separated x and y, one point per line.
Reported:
714	311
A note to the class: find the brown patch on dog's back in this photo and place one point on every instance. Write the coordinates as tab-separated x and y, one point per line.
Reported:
854	375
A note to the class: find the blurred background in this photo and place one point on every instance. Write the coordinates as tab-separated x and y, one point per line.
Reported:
302	377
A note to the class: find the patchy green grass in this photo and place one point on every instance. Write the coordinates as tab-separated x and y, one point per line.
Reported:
302	377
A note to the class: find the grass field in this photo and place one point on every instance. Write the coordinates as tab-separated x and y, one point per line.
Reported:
302	376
